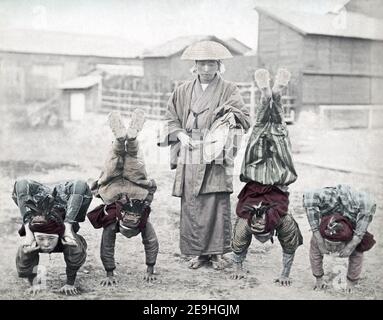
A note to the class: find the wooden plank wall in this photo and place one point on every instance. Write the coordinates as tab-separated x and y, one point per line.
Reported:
377	90
334	89
376	55
240	68
337	55
278	45
341	71
326	70
281	46
32	76
156	69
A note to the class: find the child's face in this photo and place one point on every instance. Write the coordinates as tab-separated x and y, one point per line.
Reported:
46	242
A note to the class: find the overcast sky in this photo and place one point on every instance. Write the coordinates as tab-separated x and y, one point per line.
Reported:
149	22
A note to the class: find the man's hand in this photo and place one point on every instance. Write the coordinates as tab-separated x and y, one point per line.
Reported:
350	286
68	239
218	112
150	275
185	140
238	273
346	251
232	122
320	284
34	289
30	247
69	290
283	281
29	243
350	247
320	241
109	281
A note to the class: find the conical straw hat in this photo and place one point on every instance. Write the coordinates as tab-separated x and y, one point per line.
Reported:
206	50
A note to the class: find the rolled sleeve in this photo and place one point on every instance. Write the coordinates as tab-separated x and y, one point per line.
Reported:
311	201
364	217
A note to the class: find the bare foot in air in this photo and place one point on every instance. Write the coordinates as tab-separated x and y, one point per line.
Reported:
136	123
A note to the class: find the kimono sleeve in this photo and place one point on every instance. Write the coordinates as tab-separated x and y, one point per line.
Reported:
168	133
236	105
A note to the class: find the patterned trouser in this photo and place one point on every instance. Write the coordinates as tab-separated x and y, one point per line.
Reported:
73	196
288	234
26	263
124	172
355	262
108	242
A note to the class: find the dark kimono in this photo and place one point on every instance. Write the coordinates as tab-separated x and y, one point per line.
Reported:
204	188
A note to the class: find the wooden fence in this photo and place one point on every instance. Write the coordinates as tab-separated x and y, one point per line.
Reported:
154	103
125	101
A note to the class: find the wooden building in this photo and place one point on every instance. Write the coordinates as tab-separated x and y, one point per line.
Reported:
163	66
371	8
335	58
33	63
239	46
80	95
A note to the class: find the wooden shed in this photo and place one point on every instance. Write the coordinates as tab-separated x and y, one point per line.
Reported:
335	58
34	62
80	95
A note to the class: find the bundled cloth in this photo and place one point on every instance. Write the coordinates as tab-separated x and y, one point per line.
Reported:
253	193
52	223
338	228
106	214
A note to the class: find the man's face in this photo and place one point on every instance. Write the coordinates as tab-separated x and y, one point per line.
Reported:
206	69
46	242
258	224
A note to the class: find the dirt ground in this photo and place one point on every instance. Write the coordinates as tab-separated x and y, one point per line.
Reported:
77	150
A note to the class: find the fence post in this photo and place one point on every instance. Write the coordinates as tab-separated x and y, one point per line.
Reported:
99	95
321	116
252	101
369	125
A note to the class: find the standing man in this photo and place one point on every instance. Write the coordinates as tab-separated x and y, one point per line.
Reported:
203	186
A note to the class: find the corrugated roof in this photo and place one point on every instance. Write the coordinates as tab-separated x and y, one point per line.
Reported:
82	82
350	25
179	44
50	42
